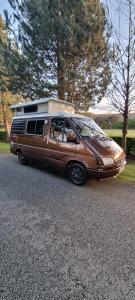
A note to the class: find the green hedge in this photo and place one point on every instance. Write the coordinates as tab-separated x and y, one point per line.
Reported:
130	144
2	135
119	125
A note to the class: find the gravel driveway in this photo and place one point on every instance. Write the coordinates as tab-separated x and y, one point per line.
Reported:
61	242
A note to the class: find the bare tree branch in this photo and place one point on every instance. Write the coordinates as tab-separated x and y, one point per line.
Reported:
121	91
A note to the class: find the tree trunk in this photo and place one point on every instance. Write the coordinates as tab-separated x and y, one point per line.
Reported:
60	73
125	116
124	131
5	121
61	90
126	110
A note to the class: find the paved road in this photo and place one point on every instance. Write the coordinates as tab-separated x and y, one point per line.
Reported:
62	242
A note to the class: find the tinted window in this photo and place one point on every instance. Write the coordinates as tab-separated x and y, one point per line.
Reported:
30	109
35	127
18	109
39	127
57	127
60	129
67	129
31	126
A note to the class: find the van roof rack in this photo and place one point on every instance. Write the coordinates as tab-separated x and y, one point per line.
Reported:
46	105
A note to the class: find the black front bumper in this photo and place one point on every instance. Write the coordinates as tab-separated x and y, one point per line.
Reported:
106	173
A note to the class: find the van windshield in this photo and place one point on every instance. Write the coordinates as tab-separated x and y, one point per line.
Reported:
88	128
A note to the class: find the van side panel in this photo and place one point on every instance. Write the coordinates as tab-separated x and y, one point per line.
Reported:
32	146
44	148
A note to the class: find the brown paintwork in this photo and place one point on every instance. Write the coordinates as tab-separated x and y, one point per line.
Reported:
60	154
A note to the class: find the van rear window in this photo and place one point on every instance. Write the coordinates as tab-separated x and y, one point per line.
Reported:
18	127
39	127
35	127
31	126
30	109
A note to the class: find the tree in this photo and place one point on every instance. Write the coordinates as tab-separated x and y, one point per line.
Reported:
122	89
6	99
3	81
3	47
65	49
7	54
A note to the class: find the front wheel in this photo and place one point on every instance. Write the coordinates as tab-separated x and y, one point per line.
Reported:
21	158
77	173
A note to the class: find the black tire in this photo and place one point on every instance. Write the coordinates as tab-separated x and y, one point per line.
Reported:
77	173
21	158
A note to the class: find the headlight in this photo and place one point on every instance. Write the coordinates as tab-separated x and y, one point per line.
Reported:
107	161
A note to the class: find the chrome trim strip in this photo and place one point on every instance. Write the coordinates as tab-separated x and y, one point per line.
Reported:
47	148
29	146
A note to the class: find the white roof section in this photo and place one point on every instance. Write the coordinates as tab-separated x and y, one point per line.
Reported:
46	105
45	115
37	102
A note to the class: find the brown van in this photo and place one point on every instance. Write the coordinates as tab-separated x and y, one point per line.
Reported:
65	140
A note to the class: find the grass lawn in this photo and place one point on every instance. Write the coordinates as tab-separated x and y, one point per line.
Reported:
4	147
129	172
118	132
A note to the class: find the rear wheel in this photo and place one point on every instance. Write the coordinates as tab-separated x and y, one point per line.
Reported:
21	158
77	173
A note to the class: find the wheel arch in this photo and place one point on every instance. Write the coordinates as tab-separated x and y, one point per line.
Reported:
18	150
72	161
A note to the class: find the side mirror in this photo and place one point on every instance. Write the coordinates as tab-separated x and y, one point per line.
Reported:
72	138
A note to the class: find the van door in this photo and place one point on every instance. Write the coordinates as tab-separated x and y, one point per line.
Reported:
60	151
34	142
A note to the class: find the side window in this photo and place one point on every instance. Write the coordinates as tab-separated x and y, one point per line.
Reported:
35	127
40	127
31	126
60	129
57	127
67	129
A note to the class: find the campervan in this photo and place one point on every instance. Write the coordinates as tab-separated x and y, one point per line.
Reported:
48	130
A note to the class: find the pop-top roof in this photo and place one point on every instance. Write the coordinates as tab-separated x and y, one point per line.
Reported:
46	105
40	101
